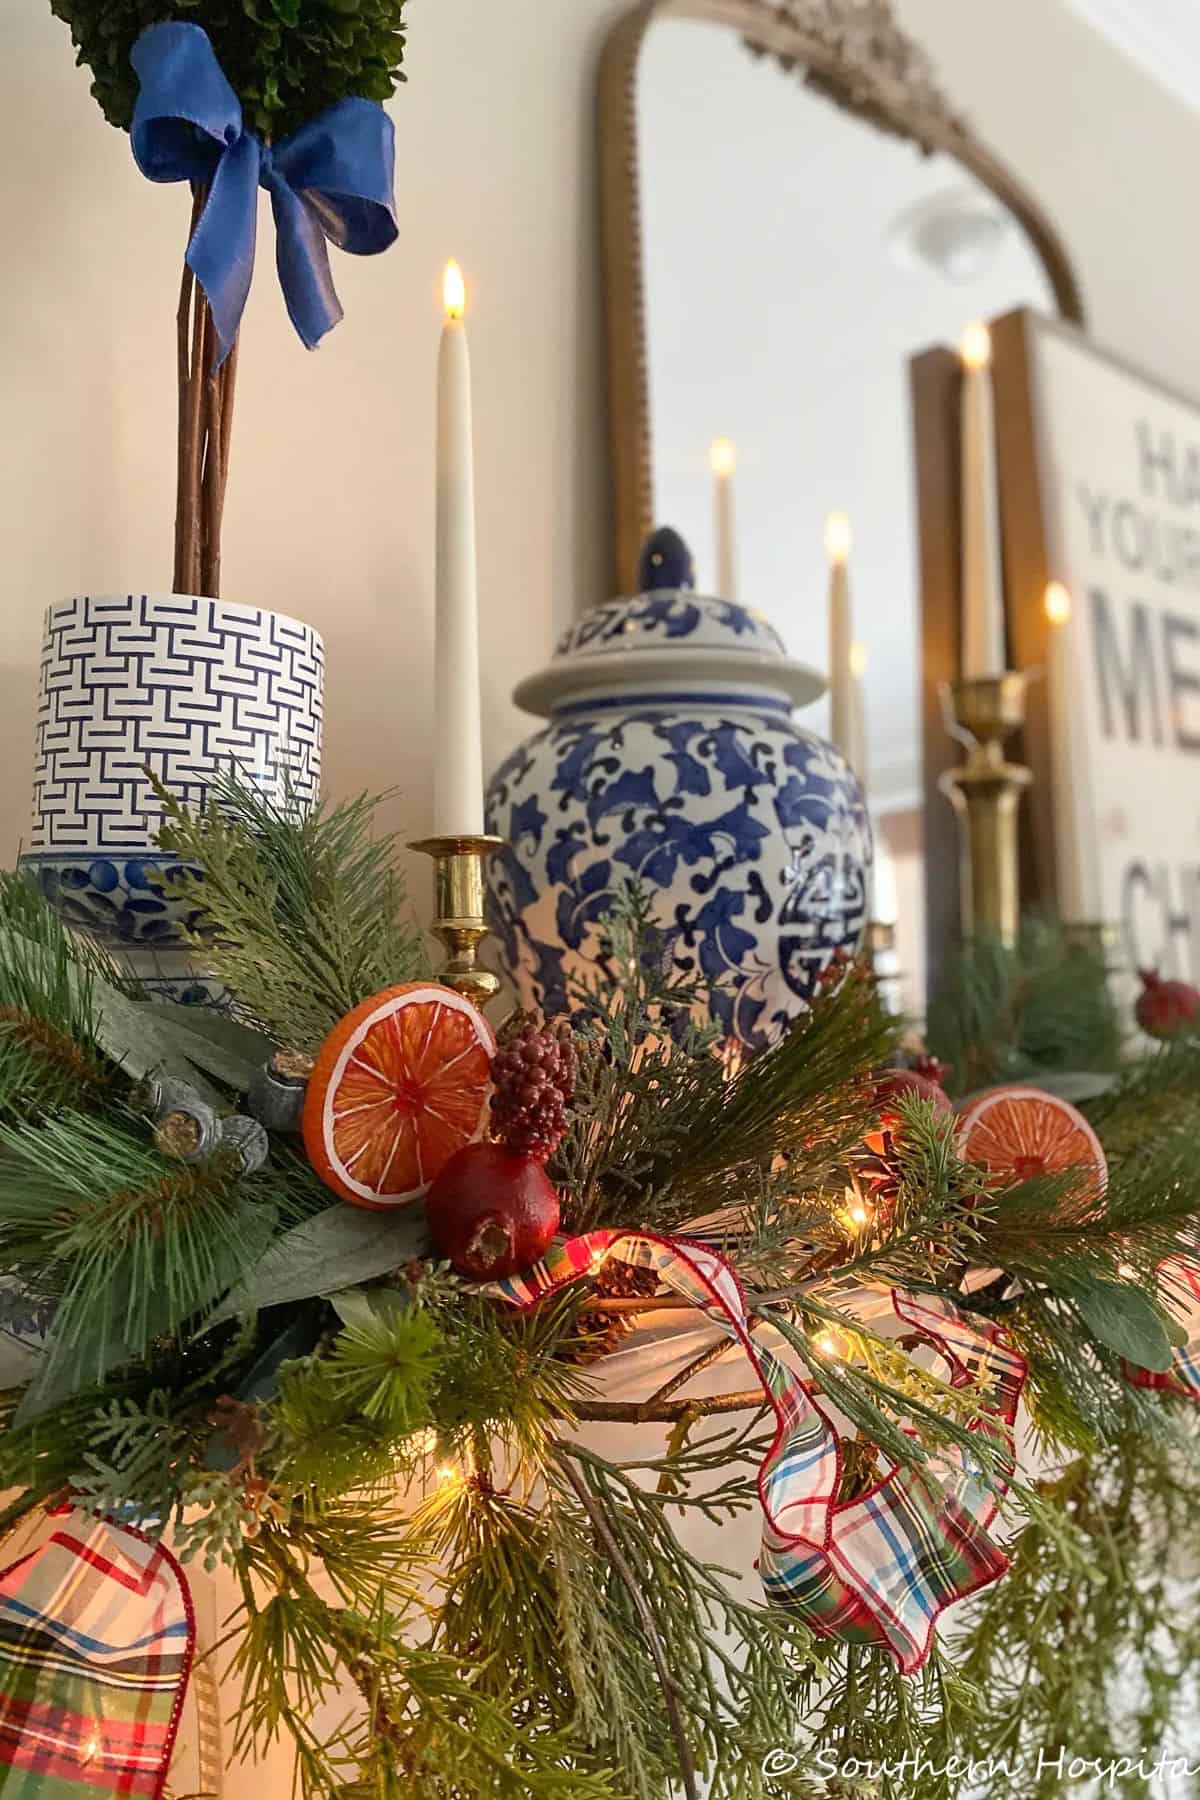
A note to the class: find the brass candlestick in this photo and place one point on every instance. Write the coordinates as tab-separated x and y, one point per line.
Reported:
459	920
986	793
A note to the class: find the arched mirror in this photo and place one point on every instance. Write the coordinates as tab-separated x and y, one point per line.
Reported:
793	209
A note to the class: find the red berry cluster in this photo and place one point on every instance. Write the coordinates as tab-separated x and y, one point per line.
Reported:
533	1080
930	1068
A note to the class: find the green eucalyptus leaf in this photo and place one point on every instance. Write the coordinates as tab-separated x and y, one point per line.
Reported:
214	1042
335	1250
1179	1334
1075	1085
1127	1321
352	1306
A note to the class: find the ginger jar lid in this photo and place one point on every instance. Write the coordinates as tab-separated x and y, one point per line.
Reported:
665	637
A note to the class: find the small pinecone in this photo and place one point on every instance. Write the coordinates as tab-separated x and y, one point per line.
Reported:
603	1332
879	1175
534	1073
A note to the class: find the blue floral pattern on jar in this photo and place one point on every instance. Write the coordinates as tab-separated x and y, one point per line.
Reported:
751	833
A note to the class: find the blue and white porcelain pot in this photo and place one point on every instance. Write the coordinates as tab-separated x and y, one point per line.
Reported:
671	757
169	686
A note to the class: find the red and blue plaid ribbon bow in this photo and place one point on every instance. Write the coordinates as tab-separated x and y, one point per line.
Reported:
96	1641
877	1569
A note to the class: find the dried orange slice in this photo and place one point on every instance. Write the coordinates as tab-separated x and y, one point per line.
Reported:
399	1085
1023	1132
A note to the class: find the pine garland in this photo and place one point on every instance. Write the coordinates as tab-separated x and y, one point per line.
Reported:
540	1626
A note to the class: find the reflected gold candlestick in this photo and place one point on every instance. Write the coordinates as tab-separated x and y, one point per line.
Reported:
459	922
986	793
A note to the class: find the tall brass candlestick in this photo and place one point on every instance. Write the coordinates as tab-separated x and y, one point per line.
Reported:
459	922
986	793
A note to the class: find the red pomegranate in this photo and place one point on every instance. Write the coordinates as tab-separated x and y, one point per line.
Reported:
492	1211
1166	1009
895	1085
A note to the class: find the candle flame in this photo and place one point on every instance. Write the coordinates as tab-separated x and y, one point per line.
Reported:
858	660
454	291
722	456
837	537
1057	603
977	346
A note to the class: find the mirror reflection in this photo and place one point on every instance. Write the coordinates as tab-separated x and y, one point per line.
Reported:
795	258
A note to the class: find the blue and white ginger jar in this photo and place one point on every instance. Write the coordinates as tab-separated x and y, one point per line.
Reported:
671	757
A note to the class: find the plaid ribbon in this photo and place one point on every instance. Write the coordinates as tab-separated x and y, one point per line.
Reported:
96	1641
876	1569
1184	1376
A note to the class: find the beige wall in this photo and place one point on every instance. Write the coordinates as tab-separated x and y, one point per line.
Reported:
330	510
331	499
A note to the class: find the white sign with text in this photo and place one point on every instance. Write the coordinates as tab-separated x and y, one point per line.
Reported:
1121	489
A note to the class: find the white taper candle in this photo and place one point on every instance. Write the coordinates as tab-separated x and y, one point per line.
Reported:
983	642
722	459
458	753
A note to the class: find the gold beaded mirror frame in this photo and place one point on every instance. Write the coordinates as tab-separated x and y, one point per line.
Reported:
851	52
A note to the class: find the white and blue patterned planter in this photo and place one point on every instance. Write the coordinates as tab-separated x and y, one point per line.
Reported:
181	688
671	756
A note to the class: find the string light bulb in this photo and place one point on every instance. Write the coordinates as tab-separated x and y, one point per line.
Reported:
454	291
856	1213
830	1344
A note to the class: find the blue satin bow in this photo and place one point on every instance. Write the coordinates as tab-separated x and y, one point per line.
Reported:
330	179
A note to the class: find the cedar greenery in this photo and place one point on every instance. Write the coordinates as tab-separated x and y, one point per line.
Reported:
1004	1014
303	914
286	60
541	1626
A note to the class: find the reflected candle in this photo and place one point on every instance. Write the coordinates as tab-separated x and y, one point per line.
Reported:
458	752
846	722
1068	771
983	644
722	458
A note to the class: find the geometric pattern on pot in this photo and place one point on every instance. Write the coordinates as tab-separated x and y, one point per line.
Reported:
179	685
750	834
